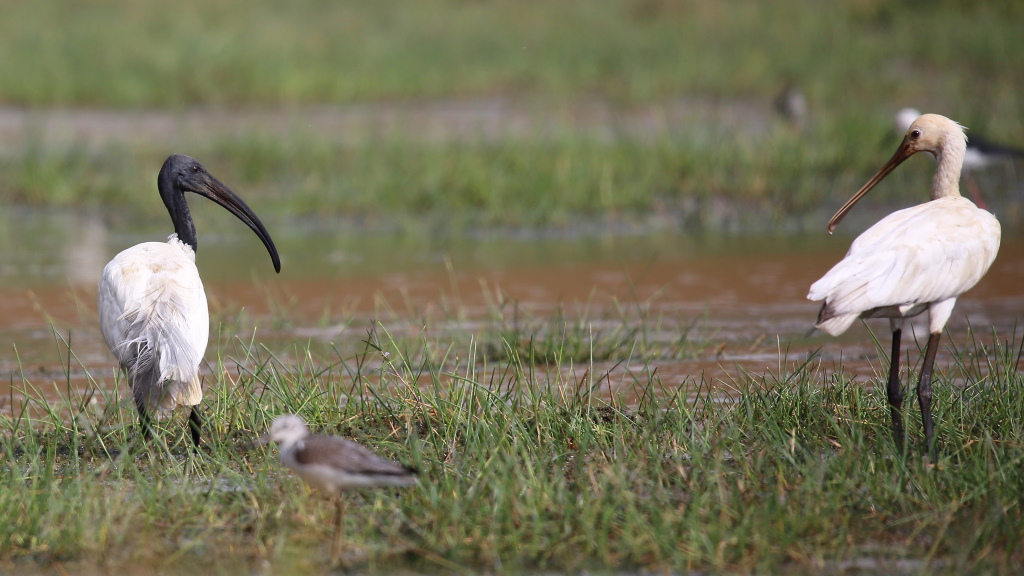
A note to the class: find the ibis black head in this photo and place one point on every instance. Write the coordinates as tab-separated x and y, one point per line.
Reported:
181	174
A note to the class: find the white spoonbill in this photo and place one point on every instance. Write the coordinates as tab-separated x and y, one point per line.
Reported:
332	464
151	303
980	153
916	259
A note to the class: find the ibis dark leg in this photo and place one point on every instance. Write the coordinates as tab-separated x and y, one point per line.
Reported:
924	392
894	391
195	424
145	422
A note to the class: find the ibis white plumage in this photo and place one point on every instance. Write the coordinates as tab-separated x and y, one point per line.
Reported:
914	260
151	302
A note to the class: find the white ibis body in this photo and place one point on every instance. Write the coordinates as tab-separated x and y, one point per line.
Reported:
332	464
151	303
980	153
914	260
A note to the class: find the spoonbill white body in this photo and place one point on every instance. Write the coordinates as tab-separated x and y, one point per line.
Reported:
332	464
914	260
151	303
980	154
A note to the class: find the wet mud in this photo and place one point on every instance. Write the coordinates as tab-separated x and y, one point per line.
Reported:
739	301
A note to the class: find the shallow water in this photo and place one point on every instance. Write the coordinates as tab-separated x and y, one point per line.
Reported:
744	297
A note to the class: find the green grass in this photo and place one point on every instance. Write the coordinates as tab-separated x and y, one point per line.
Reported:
524	466
118	53
858	61
699	181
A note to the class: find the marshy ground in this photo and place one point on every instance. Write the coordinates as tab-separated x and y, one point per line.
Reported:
611	403
555	255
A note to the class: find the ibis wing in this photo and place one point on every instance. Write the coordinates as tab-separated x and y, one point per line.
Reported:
154	318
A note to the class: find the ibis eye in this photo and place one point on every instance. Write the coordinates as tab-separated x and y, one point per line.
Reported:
194	168
915	134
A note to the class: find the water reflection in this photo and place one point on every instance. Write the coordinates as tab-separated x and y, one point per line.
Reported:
85	251
746	296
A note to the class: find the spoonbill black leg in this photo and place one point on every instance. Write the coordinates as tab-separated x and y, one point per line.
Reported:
924	393
894	391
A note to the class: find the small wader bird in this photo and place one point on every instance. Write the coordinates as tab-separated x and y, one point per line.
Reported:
332	464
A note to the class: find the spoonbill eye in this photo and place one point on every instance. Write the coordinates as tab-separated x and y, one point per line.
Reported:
915	133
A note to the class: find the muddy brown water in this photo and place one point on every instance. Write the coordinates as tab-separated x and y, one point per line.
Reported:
742	297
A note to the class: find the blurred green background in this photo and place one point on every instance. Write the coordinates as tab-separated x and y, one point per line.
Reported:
473	113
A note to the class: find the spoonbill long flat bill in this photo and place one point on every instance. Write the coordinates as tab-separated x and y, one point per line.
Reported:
916	259
151	303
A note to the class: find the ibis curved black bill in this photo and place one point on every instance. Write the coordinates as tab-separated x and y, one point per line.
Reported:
180	174
906	150
214	190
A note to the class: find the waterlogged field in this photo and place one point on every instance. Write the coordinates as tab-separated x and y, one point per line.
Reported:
552	254
572	403
494	113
